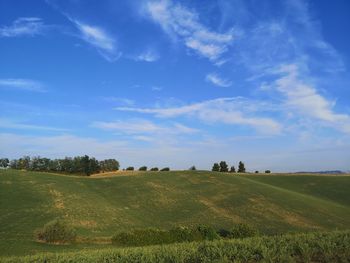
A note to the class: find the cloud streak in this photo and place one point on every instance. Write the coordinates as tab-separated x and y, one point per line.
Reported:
147	56
217	81
9	124
22	84
141	126
24	26
231	111
182	23
98	38
304	99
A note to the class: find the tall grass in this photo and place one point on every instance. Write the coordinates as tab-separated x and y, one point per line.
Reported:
311	247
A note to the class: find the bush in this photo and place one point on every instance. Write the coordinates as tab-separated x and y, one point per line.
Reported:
56	231
267	171
154	169
256	172
153	236
143	168
165	169
207	232
184	234
130	168
193	168
243	230
141	237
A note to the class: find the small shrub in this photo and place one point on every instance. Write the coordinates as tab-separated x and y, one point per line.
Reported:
141	237
207	232
243	230
256	172
192	168
143	168
153	236
56	231
154	169
184	234
165	169
267	171
130	168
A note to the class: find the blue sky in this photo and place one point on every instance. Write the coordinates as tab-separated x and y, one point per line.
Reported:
177	83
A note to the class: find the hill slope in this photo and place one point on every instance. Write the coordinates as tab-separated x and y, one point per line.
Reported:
101	206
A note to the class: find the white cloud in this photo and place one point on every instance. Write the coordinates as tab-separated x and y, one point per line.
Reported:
216	80
232	111
147	56
9	124
123	101
140	126
305	99
22	84
98	38
157	88
180	22
23	26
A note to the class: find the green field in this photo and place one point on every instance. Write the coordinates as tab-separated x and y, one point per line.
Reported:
101	206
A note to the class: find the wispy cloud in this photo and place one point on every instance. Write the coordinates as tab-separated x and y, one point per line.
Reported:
147	56
141	126
123	101
157	88
180	22
216	80
9	124
24	26
98	38
232	111
22	84
304	98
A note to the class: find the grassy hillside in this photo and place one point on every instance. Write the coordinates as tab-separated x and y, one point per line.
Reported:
102	206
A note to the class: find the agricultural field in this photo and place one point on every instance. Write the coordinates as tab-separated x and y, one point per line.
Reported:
100	206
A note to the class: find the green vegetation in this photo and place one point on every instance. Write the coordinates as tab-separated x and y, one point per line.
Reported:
100	206
83	165
311	247
143	168
57	232
154	236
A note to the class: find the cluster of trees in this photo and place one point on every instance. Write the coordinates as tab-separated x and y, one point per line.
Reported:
144	168
4	162
223	167
78	165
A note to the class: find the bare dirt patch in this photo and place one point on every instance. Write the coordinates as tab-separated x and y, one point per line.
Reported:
58	200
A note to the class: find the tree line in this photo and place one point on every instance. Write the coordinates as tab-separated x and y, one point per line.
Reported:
75	165
223	167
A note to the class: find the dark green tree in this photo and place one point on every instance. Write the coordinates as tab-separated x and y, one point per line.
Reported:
233	169
130	168
216	167
223	167
143	168
165	169
154	169
4	162
241	167
192	168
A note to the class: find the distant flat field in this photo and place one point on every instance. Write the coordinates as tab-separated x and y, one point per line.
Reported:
102	205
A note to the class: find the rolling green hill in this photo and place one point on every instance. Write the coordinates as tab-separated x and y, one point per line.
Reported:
101	206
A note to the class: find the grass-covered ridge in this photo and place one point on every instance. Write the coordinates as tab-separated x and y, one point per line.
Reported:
311	247
99	207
